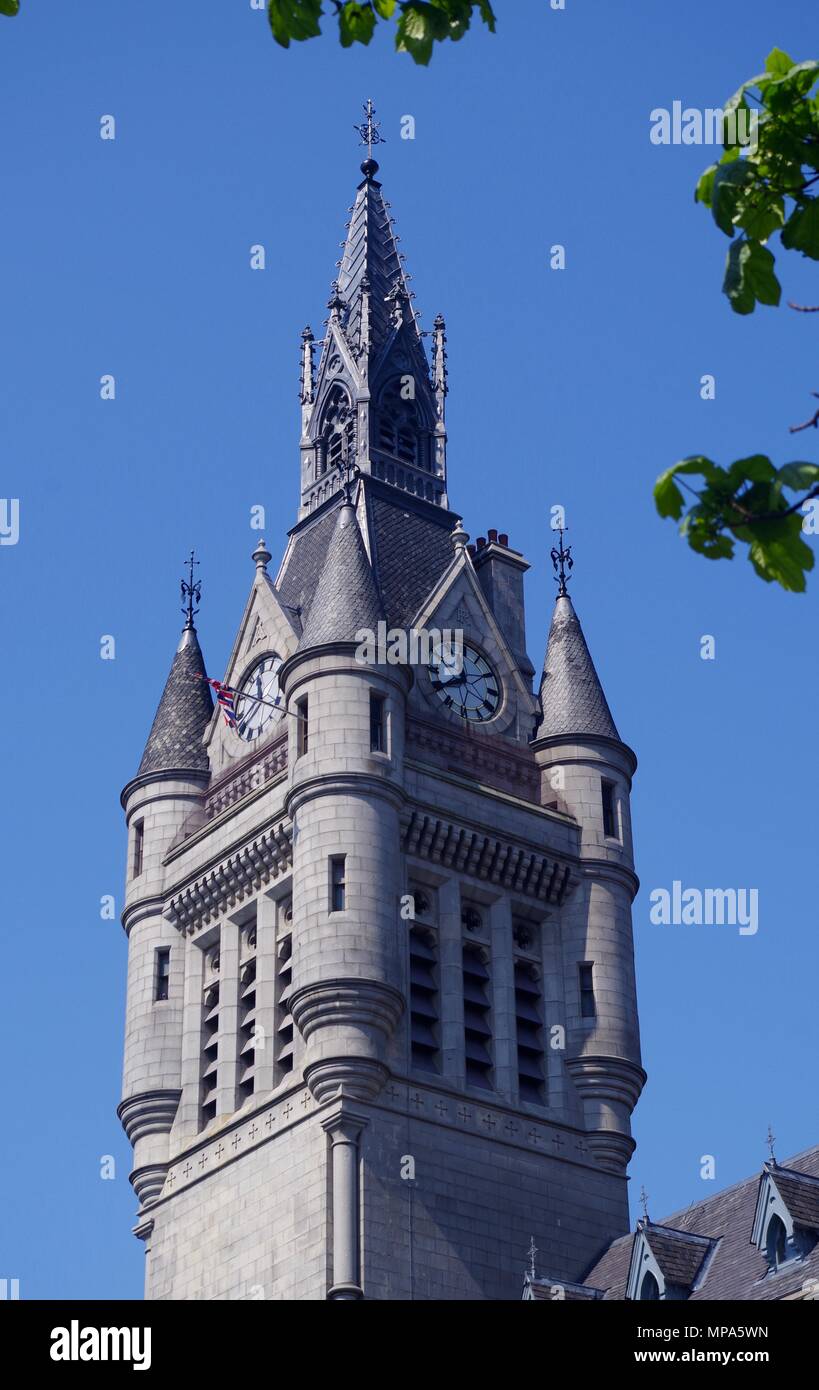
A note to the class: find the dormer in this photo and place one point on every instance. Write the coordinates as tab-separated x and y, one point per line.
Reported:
666	1264
786	1220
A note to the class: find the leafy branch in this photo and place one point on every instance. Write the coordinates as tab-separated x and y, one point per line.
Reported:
764	184
419	24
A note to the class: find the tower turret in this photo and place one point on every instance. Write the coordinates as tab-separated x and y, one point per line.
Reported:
167	790
585	763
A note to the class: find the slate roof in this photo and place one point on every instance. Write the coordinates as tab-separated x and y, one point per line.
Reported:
346	598
571	696
409	541
736	1269
369	250
800	1194
183	714
679	1254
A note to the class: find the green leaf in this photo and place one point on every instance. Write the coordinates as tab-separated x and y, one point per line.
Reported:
801	231
9	7
779	555
705	186
778	63
294	19
385	8
755	469
749	277
414	35
356	23
762	216
725	190
667	496
487	14
799	475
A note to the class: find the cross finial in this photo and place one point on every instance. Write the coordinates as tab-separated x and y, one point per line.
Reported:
370	133
644	1203
191	591
532	1257
349	473
562	562
770	1140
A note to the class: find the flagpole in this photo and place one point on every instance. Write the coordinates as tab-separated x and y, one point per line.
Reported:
243	695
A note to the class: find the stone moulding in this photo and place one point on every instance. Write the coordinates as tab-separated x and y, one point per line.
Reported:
489	857
235	879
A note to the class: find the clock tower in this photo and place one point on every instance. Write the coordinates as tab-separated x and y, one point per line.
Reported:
381	1021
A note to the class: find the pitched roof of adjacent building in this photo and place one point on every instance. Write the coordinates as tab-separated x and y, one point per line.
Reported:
183	714
571	696
736	1269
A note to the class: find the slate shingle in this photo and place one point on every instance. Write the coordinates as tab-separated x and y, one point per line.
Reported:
183	714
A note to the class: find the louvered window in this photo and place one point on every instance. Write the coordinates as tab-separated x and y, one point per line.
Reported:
210	1040
529	1021
477	1015
284	989
247	1015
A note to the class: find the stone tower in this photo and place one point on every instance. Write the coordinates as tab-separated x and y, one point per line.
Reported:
381	1022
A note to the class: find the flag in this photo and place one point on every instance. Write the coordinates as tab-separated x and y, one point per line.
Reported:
224	699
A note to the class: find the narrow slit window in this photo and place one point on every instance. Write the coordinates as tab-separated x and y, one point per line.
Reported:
609	810
302	715
378	727
139	842
162	973
588	1008
338	883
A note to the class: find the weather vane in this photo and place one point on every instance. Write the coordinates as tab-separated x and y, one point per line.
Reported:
532	1257
644	1203
348	473
369	130
770	1140
190	592
562	561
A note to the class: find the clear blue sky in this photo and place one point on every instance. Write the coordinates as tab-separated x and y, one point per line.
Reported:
131	257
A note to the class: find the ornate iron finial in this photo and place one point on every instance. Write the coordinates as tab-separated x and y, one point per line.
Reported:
644	1203
532	1257
370	133
562	561
770	1140
191	592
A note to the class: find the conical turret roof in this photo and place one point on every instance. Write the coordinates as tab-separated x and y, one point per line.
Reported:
571	696
184	712
346	598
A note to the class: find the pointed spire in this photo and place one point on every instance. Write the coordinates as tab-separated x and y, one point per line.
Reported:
346	598
184	711
571	696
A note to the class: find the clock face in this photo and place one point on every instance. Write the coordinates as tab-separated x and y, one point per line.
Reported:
254	718
471	690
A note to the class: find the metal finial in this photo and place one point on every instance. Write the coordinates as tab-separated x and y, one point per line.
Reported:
370	130
644	1203
562	561
770	1140
191	592
532	1256
349	474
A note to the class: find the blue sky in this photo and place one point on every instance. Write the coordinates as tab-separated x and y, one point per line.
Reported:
575	387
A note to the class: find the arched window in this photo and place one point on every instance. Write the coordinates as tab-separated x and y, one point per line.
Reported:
337	439
400	430
649	1289
775	1242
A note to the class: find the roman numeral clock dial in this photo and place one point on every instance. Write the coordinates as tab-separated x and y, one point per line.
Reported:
472	690
259	704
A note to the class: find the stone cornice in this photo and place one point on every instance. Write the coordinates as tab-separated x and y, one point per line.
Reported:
169	775
342	784
506	862
234	878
